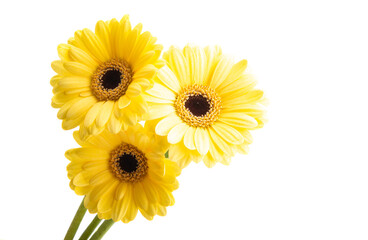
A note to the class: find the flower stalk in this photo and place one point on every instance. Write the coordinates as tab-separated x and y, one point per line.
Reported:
91	227
76	222
105	226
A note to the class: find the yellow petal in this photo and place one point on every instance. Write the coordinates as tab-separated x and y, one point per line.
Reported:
101	177
176	133
150	191
163	195
124	101
114	125
221	72
179	65
93	113
74	82
103	32
80	107
161	211
78	55
147	72
132	210
129	117
201	139
80	180
106	201
144	83
216	139
134	90
200	70
140	196
159	110
105	113
144	59
94	45
139	47
87	153
189	138
228	133
236	72
64	109
78	69
169	79
166	124
63	51
68	124
120	190
160	91
58	67
237	119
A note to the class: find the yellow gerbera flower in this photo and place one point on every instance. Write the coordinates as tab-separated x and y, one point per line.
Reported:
122	173
101	75
206	105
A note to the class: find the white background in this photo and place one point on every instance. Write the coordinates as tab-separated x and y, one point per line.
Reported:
306	174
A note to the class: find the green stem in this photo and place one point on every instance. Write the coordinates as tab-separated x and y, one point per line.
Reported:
91	227
76	222
105	226
167	154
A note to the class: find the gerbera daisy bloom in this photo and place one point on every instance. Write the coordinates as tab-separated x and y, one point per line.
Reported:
205	104
122	173
101	75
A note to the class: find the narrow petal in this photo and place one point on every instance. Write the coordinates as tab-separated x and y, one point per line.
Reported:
228	133
237	119
103	33
200	71
104	114
74	82
160	91
159	110
201	139
165	125
101	177
236	72
87	153
78	69
114	125
78	55
221	72
150	191
216	139
92	114
176	134
140	196
124	101
168	78
147	72
80	107
94	45
179	65
189	138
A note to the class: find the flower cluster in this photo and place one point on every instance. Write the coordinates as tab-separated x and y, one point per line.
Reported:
196	103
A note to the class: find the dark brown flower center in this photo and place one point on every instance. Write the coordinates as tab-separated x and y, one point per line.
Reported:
111	79
197	105
128	162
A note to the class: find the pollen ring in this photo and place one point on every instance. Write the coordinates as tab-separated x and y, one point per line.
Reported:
198	106
111	80
128	163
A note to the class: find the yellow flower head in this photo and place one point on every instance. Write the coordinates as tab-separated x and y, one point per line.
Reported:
206	105
101	75
122	173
